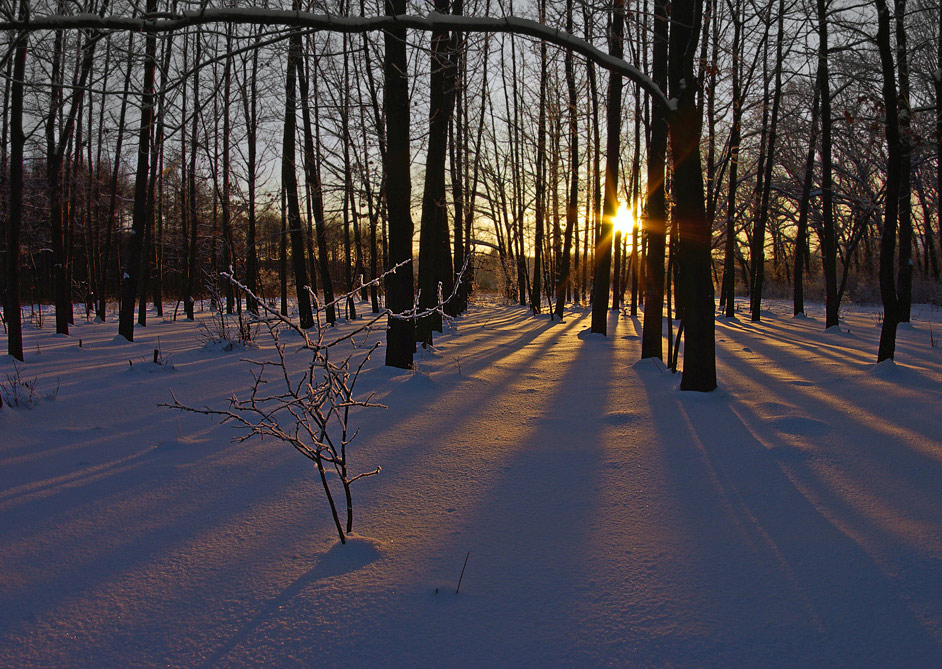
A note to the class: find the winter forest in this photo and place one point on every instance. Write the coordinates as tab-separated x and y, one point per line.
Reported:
615	326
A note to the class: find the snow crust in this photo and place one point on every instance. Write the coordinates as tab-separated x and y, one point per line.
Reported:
793	517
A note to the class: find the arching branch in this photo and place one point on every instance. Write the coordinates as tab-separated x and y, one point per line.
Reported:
169	22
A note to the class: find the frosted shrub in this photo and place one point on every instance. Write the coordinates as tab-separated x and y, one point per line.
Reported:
222	331
308	406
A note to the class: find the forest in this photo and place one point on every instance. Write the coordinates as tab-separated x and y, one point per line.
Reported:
783	149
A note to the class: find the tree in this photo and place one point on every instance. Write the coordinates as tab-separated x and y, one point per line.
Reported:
11	298
400	333
696	285
435	268
655	214
132	261
603	245
891	207
290	182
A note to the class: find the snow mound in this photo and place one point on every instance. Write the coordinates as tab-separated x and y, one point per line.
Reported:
649	366
356	553
223	346
149	367
889	370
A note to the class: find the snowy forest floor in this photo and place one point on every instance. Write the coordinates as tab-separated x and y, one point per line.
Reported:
791	518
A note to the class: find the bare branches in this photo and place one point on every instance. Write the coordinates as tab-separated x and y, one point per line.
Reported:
168	22
309	408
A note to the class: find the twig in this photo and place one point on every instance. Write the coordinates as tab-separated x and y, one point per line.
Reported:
462	571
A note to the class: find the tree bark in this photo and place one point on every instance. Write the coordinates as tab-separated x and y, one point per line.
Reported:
400	335
603	246
693	253
11	297
894	151
290	180
655	216
828	237
132	263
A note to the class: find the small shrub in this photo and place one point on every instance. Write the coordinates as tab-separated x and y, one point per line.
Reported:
20	391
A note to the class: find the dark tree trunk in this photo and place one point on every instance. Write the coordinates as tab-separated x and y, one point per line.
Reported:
801	234
655	216
758	264
904	285
312	172
228	246
192	271
729	252
540	184
603	246
250	111
132	262
290	180
11	297
400	336
435	267
693	253
894	151
572	203
102	308
828	237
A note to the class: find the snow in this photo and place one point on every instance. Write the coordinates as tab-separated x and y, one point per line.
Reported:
791	518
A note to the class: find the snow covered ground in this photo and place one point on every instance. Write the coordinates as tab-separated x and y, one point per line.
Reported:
791	518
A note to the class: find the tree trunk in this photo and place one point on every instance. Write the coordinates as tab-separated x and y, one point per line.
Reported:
312	172
434	249
801	235
400	336
655	217
894	152
603	246
758	264
828	237
572	203
696	282
132	262
11	297
904	285
290	180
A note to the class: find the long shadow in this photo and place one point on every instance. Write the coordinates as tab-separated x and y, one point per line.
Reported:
530	531
441	410
778	574
806	392
92	559
528	528
837	387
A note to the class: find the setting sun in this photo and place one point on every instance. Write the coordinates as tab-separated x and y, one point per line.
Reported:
624	220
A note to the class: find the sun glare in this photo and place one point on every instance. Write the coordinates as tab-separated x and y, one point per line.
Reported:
624	220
